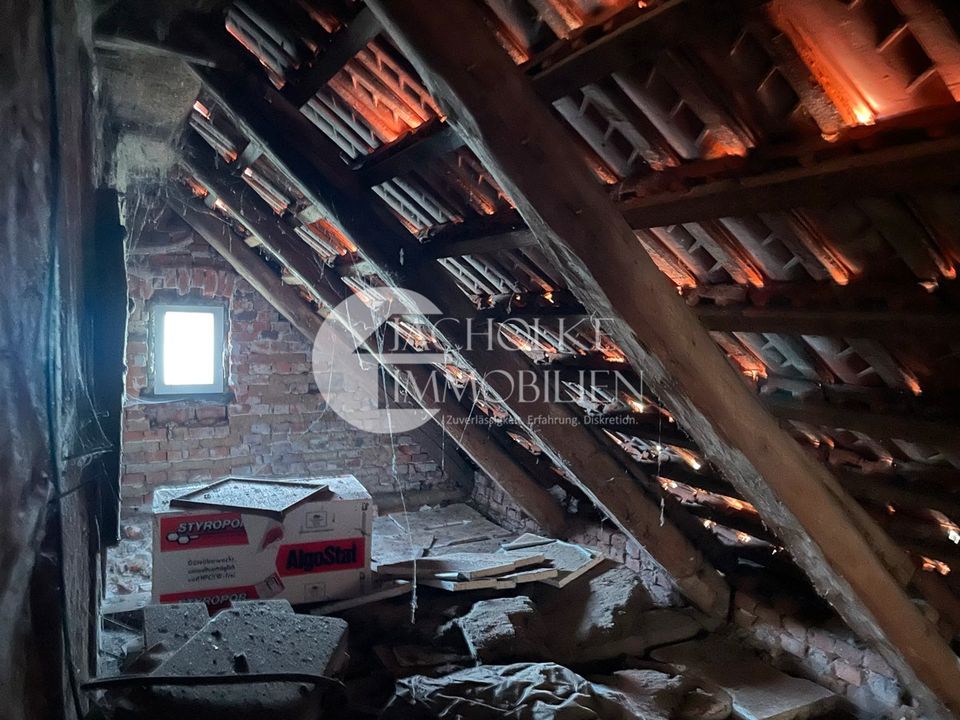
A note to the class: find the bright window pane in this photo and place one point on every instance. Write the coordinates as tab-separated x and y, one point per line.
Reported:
189	348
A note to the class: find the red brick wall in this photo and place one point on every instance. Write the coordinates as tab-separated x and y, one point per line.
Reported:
827	653
276	423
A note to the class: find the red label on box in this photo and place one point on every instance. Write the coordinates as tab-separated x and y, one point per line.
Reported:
319	557
188	532
215	598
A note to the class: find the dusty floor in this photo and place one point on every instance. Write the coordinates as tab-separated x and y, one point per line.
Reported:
601	625
129	564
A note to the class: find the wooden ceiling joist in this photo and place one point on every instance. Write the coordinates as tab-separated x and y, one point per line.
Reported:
345	44
905	168
473	439
492	243
310	160
501	118
942	434
835	322
638	39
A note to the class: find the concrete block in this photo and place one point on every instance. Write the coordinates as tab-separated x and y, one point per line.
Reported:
172	625
504	629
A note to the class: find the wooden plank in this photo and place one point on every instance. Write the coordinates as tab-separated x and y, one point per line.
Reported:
312	161
878	324
917	166
345	44
492	243
475	442
943	433
525	148
624	47
427	142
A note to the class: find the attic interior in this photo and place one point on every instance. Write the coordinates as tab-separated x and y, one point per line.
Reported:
479	359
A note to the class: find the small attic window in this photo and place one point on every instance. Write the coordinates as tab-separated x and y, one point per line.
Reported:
188	350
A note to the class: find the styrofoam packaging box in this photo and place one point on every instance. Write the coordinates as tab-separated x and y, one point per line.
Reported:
318	551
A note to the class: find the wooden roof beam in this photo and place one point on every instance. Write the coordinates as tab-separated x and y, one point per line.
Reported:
907	325
889	325
492	243
345	44
942	433
904	168
525	148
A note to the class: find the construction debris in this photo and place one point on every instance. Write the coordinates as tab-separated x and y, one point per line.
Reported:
455	548
384	590
274	605
654	694
535	691
759	691
254	640
490	583
462	566
271	641
504	629
576	609
172	625
571	561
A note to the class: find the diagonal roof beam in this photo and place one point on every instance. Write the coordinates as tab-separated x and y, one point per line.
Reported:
524	147
905	168
895	325
941	433
345	44
478	444
310	160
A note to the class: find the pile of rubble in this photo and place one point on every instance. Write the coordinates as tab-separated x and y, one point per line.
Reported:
456	549
466	620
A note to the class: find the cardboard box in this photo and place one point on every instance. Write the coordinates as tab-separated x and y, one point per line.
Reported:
315	551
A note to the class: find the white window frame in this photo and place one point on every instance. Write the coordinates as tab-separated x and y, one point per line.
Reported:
217	386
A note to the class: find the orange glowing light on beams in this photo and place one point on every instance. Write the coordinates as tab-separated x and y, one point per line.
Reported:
196	188
202	109
937	566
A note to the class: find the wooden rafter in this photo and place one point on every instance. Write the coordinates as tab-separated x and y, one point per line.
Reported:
503	121
943	434
833	322
307	157
345	44
921	165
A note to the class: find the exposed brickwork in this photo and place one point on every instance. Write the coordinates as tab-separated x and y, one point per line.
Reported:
276	424
490	499
830	655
